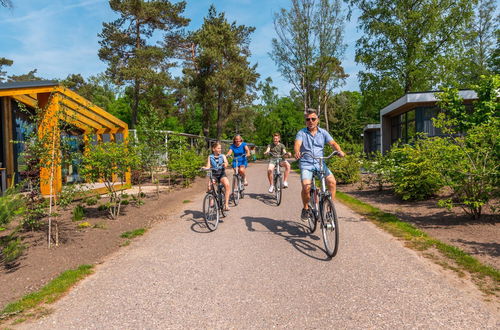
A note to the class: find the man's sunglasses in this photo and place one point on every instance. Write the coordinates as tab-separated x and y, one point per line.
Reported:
311	119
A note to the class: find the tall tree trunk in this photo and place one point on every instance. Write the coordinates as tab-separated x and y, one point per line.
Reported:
135	104
219	114
327	125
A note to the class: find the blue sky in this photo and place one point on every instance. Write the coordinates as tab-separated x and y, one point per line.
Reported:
59	37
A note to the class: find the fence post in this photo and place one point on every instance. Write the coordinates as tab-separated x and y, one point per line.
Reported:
166	147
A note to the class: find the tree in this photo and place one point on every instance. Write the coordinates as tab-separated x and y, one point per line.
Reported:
109	161
347	119
479	43
4	62
220	70
30	76
124	45
407	45
309	47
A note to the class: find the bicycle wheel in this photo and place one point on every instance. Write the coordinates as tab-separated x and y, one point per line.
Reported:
211	211
313	210
329	227
278	188
235	195
221	197
242	188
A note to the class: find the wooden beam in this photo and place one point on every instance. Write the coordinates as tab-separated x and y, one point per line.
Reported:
86	103
83	111
73	116
25	99
27	90
8	147
49	125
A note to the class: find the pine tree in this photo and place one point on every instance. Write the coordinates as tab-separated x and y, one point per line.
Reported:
124	44
220	70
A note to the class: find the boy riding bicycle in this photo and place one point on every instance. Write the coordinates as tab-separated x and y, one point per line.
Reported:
276	150
312	139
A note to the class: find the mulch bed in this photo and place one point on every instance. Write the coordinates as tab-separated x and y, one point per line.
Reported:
479	238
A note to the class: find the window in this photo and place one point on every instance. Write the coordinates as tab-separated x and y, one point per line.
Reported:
22	129
72	145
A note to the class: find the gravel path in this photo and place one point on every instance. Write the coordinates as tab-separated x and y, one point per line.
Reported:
261	269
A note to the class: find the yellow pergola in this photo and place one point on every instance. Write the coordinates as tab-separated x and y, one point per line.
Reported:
58	103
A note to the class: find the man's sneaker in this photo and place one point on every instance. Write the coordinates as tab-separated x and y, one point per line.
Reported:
271	188
285	184
304	215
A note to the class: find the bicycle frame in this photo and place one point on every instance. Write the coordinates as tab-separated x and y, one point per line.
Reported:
324	203
216	188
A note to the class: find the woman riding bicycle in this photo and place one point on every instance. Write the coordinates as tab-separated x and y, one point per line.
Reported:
276	150
312	140
218	163
241	152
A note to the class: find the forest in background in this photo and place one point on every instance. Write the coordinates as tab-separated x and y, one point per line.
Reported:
406	46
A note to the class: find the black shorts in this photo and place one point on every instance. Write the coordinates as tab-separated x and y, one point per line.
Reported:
219	174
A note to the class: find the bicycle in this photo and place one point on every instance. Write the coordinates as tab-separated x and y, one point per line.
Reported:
213	203
278	180
237	185
321	207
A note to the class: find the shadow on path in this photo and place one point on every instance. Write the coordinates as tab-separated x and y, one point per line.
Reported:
293	232
267	199
198	225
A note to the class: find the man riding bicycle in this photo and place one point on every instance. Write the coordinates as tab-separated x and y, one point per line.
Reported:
311	140
276	150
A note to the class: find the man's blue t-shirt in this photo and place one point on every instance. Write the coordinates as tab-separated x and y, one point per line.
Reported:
313	144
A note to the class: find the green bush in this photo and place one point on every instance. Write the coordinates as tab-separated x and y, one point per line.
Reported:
91	201
417	171
378	168
11	205
78	213
346	169
13	250
67	195
184	160
476	181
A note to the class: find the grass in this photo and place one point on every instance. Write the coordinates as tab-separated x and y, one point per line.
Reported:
186	201
49	293
133	233
420	241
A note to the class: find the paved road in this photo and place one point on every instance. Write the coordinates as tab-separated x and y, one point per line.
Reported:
261	269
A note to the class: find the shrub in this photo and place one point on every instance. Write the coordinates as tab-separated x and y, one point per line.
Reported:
477	180
13	250
103	207
346	169
379	167
108	161
67	195
417	171
78	213
11	205
91	201
184	160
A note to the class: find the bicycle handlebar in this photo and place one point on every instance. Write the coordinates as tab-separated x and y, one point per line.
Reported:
334	153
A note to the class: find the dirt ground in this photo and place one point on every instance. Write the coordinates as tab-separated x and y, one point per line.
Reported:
479	238
38	264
